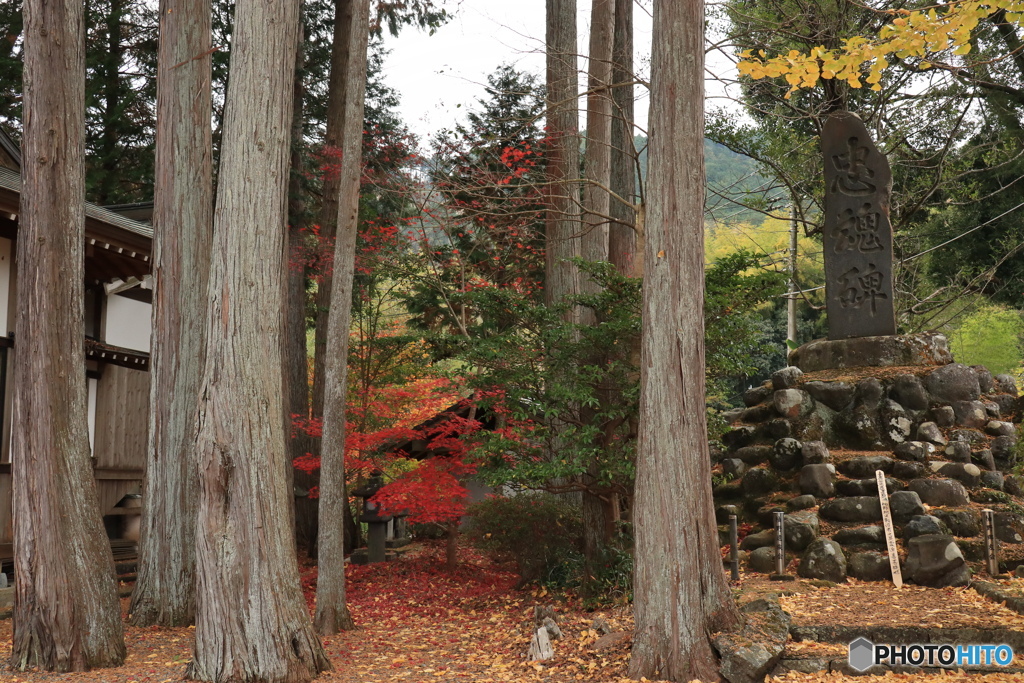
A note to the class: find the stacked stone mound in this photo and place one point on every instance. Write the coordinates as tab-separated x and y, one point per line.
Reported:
809	445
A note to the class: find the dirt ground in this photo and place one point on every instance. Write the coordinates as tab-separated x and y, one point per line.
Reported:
419	623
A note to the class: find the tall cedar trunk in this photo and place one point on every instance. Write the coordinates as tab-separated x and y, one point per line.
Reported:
622	230
66	612
622	237
293	349
562	217
337	91
183	219
251	619
680	593
331	611
596	209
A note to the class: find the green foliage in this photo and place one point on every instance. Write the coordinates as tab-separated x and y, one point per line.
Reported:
555	380
611	580
990	336
735	285
483	224
1018	452
568	393
120	100
537	530
10	65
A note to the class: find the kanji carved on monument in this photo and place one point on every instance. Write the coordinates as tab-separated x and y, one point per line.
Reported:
857	235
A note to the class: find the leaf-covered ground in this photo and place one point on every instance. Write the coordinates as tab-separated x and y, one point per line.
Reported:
420	623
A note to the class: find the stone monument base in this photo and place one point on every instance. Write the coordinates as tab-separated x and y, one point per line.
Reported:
362	556
926	348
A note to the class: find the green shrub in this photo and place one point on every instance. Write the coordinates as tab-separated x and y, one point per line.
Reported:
538	531
990	336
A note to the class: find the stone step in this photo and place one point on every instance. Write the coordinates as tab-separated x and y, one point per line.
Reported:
906	635
840	665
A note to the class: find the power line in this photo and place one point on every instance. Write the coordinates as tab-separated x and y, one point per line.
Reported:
963	234
926	251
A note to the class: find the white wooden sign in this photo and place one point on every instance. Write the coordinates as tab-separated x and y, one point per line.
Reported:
890	534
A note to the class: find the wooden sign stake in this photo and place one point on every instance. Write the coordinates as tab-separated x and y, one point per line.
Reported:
890	534
780	549
991	543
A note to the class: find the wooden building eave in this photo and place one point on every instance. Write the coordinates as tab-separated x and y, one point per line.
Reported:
116	246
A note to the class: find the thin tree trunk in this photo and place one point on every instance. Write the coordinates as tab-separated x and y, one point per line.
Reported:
596	209
680	593
183	219
337	92
622	230
597	161
451	545
622	235
331	611
251	620
66	612
562	193
294	358
562	217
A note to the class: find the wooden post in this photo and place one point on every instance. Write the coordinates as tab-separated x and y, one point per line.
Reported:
780	548
890	534
780	543
991	543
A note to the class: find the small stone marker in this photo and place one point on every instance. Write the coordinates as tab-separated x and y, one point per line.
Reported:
890	534
857	235
780	549
734	549
991	542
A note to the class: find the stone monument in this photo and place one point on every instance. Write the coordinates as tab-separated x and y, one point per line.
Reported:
857	241
868	416
858	235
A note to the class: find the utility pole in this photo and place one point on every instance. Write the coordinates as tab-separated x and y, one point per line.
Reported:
791	299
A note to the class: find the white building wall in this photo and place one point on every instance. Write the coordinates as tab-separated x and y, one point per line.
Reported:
93	384
127	323
5	283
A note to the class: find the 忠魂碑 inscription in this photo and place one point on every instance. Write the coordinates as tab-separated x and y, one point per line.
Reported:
858	235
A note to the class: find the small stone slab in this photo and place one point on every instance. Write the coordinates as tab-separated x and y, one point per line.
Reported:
611	640
963	523
824	560
866	535
935	560
953	382
753	651
817	480
855	509
864	466
940	492
869	566
835	395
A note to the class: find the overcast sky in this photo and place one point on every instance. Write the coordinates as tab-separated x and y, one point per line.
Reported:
434	74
